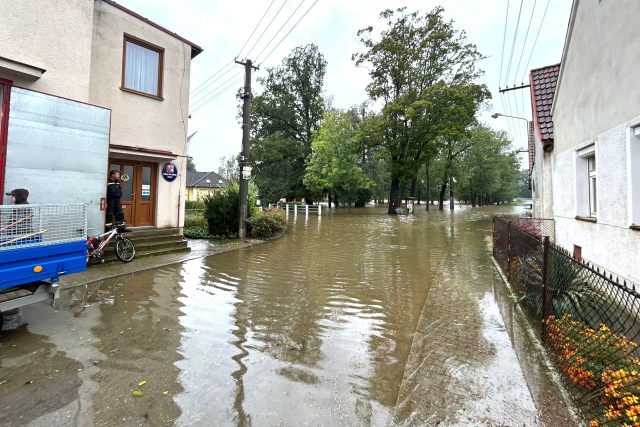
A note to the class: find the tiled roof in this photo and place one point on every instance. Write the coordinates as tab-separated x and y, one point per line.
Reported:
205	180
543	88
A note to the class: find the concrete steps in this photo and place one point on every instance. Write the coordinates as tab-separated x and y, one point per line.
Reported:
152	242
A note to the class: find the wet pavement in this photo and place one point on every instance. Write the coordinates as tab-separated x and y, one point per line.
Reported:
315	328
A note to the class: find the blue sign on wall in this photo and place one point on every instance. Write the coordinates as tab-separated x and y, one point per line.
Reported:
169	172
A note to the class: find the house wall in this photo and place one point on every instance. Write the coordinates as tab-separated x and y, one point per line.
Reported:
598	86
140	121
51	34
596	102
542	182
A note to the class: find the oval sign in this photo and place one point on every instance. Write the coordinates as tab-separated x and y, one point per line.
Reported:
169	172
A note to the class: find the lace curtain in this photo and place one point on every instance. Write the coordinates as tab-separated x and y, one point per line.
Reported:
141	69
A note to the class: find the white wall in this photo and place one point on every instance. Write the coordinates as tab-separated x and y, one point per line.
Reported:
51	34
543	182
609	242
140	121
597	102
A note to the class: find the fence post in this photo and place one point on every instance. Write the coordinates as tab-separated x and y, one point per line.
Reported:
295	209
306	209
319	209
493	237
287	207
545	281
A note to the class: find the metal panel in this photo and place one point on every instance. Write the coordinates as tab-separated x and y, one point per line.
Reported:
58	150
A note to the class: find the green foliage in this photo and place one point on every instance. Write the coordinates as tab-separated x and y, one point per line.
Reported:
488	170
423	70
194	204
195	220
286	114
333	166
221	211
267	223
191	166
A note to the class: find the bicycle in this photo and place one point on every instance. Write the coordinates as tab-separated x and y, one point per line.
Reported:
125	249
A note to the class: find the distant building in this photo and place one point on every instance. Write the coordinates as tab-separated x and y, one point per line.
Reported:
202	184
66	68
589	174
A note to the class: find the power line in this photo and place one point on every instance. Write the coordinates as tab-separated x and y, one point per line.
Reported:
207	97
196	93
256	27
217	94
526	36
208	81
536	40
280	29
212	76
513	45
266	28
290	30
504	42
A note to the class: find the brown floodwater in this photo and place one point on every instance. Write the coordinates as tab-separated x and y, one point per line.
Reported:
313	328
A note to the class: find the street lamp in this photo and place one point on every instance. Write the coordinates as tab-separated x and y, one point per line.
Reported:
496	115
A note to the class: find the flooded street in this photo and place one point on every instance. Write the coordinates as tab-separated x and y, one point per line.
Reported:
315	328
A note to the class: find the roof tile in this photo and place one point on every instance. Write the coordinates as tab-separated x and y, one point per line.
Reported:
543	88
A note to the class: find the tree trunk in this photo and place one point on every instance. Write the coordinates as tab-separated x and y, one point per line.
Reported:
451	204
443	192
329	199
414	185
428	198
393	196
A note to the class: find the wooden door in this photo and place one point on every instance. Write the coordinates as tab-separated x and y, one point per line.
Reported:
145	194
126	168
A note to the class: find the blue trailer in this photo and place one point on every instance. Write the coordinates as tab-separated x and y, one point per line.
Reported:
38	244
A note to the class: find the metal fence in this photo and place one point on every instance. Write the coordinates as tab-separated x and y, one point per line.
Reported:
588	320
38	225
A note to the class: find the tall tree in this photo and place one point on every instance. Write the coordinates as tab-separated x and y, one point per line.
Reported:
191	166
334	165
414	64
286	114
229	168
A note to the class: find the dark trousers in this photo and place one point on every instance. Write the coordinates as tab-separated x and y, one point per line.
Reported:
114	208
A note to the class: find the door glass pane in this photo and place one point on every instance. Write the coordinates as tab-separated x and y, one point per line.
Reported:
127	187
114	167
146	184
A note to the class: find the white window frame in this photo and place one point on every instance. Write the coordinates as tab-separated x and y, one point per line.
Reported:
587	182
633	173
592	169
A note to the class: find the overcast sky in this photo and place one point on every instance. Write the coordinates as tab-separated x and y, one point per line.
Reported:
222	27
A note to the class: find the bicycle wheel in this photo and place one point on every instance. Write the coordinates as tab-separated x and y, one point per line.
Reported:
125	250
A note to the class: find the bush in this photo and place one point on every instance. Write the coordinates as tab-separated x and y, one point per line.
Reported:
267	223
194	204
221	210
195	220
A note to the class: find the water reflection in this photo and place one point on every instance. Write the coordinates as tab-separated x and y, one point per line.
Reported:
313	328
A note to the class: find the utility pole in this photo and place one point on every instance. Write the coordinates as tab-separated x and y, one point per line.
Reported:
245	155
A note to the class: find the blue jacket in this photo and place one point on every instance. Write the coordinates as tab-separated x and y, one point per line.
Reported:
114	191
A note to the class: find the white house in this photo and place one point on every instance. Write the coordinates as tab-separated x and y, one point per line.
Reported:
591	170
87	86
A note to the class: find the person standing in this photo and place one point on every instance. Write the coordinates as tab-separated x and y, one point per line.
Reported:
114	207
20	221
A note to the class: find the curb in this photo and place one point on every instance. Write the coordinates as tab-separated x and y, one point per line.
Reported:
535	340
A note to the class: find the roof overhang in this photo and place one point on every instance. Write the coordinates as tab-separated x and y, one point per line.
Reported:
20	69
139	153
195	49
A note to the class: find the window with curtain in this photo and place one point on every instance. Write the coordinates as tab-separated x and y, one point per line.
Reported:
142	68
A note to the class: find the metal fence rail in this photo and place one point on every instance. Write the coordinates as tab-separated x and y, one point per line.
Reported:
589	321
39	225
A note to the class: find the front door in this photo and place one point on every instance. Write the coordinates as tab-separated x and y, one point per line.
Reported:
138	191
